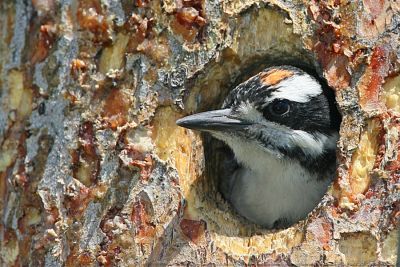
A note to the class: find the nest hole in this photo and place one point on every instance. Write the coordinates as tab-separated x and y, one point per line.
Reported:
218	159
208	92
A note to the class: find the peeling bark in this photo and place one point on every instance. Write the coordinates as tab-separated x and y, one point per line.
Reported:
94	171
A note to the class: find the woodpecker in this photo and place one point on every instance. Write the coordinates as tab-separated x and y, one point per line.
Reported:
282	126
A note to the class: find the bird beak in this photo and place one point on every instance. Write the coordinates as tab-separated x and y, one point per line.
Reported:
216	120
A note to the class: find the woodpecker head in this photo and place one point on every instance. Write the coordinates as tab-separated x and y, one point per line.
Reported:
282	111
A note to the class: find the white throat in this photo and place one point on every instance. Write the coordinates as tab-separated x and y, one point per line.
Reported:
268	188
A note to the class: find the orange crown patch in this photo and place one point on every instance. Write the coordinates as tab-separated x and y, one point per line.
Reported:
275	76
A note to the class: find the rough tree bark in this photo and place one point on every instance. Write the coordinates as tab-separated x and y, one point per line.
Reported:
94	171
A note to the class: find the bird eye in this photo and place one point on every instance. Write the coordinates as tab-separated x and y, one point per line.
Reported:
280	107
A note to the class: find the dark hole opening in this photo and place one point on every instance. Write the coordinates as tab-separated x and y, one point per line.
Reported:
219	158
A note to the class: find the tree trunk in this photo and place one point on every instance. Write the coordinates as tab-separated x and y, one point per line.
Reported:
94	170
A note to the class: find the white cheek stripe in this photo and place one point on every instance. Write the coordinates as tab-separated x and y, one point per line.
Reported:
298	88
314	145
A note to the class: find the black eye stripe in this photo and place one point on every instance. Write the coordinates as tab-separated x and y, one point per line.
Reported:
277	107
280	107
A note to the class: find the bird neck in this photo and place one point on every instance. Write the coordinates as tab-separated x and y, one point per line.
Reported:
266	163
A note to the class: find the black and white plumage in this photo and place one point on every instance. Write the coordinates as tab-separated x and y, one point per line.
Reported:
282	126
